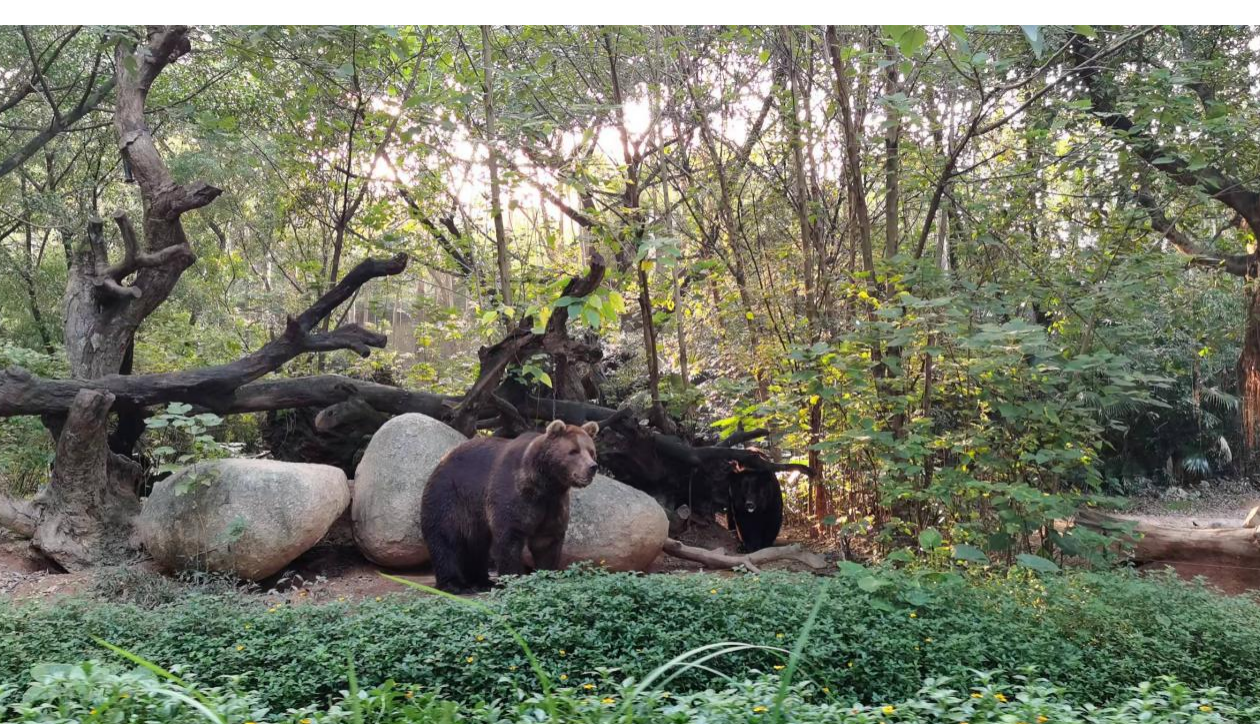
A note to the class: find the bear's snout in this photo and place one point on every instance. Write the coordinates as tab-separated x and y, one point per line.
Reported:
586	477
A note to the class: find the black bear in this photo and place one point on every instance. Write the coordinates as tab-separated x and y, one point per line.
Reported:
755	512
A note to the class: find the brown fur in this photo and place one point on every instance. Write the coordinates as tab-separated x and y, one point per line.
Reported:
490	497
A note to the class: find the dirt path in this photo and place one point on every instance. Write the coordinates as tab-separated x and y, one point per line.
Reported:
1219	504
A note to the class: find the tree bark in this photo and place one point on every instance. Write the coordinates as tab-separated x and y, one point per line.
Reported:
1249	376
102	310
85	512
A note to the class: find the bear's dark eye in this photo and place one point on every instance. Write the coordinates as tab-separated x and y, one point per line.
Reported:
573	452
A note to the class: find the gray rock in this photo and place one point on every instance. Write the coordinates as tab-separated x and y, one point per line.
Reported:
615	526
248	517
388	484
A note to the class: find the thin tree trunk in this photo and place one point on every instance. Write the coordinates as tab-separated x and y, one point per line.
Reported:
632	204
680	318
819	494
852	153
496	209
892	164
1249	379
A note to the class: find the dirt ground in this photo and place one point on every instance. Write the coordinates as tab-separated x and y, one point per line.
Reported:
1217	504
336	571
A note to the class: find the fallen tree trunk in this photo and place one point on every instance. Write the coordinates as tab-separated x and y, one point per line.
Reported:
678	470
1233	547
22	393
720	559
327	390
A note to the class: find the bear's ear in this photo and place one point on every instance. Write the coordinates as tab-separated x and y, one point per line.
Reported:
591	428
556	428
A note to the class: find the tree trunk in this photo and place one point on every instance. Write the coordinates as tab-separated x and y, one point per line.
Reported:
820	496
85	512
1249	380
492	162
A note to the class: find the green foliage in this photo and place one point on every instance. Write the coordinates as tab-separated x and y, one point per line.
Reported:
1092	634
956	412
182	439
26	455
26	448
95	692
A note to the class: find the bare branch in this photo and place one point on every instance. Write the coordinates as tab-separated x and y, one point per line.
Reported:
22	393
1236	264
1211	180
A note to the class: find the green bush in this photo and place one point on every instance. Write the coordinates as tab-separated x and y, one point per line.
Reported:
1092	634
90	692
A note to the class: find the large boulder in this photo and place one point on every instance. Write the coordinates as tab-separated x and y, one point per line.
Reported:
614	526
388	484
248	517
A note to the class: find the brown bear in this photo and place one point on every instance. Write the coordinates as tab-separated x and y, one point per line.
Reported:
491	497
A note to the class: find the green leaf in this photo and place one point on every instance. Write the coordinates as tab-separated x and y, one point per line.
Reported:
880	604
901	555
929	539
1035	39
894	32
964	552
1037	563
871	584
916	597
591	316
912	40
617	302
178	408
849	568
999	542
193	698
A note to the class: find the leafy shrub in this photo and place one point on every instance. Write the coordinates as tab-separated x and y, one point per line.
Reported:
91	692
1093	634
